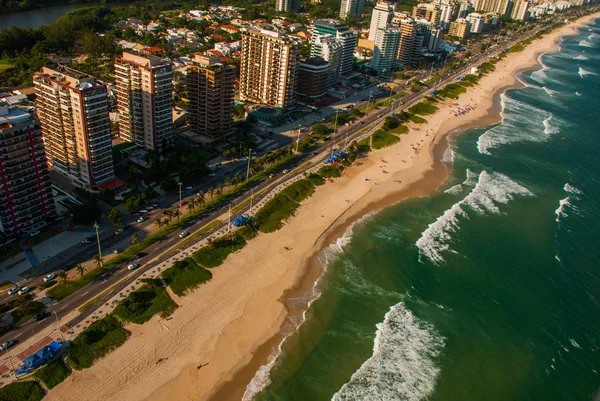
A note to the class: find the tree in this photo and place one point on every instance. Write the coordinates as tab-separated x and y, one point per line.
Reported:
177	214
62	276
114	216
98	260
80	269
190	207
135	238
239	110
160	223
320	129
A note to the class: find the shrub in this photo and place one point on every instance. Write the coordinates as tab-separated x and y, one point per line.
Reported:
402	129
316	179
363	146
516	48
185	275
247	232
215	253
144	303
93	343
299	190
26	310
47	284
416	119
271	216
22	391
330	171
381	139
423	108
53	373
452	91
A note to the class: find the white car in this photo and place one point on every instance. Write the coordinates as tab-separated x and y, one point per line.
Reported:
133	266
143	211
200	193
24	290
149	207
183	234
141	219
49	277
13	290
189	188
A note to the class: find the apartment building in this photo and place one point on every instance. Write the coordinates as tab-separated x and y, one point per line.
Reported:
477	21
408	50
331	50
313	79
346	36
380	18
287	5
73	111
26	201
269	68
145	100
520	10
427	11
351	8
460	28
387	42
210	86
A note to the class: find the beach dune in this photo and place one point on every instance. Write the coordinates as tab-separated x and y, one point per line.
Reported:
230	325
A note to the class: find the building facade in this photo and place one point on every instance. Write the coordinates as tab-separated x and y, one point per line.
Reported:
408	50
346	36
460	28
73	111
26	201
477	21
520	10
351	8
386	49
380	18
211	92
331	50
287	5
145	100
269	68
313	79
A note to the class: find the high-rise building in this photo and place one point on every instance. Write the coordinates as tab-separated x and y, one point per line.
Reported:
464	9
427	11
269	68
287	5
494	6
380	18
351	8
145	100
476	21
407	50
346	36
313	79
210	85
520	10
26	201
447	15
73	112
331	50
460	28
386	47
432	41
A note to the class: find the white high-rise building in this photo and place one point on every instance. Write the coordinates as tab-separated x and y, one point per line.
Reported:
446	15
476	21
330	49
287	5
352	8
380	18
346	36
385	52
520	10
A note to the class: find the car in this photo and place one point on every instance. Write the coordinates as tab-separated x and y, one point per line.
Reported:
144	211
34	233
116	250
183	234
183	203
362	122
49	277
243	159
150	207
119	231
24	290
86	241
41	316
211	174
141	255
7	344
154	205
133	266
141	219
136	214
262	130
286	171
13	290
303	129
189	188
200	193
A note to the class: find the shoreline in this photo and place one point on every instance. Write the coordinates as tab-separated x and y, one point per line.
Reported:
234	322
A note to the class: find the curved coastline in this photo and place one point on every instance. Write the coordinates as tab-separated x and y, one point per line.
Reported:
240	339
432	179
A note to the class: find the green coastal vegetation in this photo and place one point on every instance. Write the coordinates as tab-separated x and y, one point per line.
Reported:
382	139
185	275
27	390
149	300
423	108
213	254
53	374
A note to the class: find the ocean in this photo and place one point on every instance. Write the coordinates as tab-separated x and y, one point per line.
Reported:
488	289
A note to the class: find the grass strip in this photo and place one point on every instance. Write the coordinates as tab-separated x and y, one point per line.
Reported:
22	391
147	301
184	276
382	139
53	374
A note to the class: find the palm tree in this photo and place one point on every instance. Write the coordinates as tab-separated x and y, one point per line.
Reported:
160	223
80	269
177	214
98	260
190	206
219	189
62	276
193	202
210	243
211	192
135	238
200	200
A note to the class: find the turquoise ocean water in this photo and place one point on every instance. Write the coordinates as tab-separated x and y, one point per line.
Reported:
487	290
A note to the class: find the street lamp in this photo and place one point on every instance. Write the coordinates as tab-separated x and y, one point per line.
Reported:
59	330
180	185
96	226
335	122
297	139
248	166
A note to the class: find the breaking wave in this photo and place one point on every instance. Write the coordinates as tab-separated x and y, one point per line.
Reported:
580	57
549	129
585	43
550	91
519	122
491	189
584	72
566	203
403	365
469	181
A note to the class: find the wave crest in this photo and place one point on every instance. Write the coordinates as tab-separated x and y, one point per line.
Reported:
403	364
491	189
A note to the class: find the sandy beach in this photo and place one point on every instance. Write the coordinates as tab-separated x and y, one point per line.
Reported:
232	324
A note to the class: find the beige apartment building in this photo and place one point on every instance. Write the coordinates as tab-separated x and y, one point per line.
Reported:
73	111
269	68
460	28
145	100
211	91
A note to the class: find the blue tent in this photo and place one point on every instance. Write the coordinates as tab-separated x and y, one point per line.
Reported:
240	221
40	357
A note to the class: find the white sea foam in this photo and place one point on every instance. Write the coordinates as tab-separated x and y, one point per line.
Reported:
540	76
566	203
469	181
262	377
592	36
574	343
560	212
585	43
549	129
550	91
403	365
580	57
491	189
578	94
520	122
572	190
448	156
583	72
455	190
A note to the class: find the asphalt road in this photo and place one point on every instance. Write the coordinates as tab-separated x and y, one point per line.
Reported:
110	240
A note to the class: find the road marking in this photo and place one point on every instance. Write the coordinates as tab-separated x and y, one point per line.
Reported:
18	335
64	306
85	293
